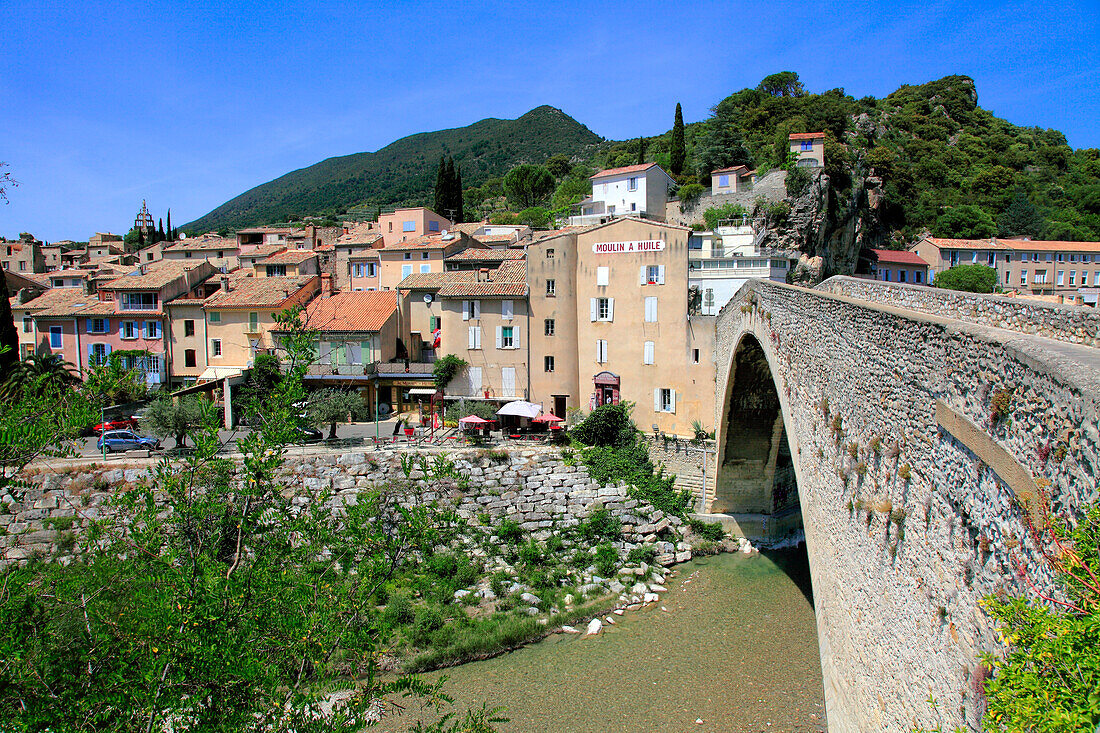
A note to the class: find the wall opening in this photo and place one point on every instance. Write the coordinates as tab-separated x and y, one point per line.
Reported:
756	480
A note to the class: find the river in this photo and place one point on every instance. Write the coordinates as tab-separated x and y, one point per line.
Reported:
736	647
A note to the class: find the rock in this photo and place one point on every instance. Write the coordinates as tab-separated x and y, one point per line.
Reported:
618	612
747	548
595	626
530	598
487	594
650	598
610	620
569	600
460	594
666	559
638	588
616	587
657	588
683	556
531	611
570	630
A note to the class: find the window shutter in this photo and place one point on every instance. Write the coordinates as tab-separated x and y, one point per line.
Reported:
647	352
592	309
500	337
641	275
477	308
88	326
477	337
597	351
602	275
470	337
657	399
611	309
515	337
672	400
660	274
466	310
506	310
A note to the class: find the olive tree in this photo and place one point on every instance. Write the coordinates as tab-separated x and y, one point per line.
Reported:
330	406
166	417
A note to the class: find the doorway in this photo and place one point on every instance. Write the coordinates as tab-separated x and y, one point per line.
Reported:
560	403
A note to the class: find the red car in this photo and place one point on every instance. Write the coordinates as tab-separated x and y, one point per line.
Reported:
121	424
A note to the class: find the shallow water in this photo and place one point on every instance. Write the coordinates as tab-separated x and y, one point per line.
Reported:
735	647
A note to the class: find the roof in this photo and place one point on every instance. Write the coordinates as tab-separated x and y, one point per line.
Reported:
204	243
733	169
427	241
156	275
434	280
289	257
260	292
266	230
1013	245
484	290
264	250
470	227
60	302
478	254
899	257
806	136
625	169
354	311
360	234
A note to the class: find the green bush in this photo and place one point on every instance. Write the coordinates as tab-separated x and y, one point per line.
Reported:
642	553
967	278
631	464
399	610
509	530
607	425
602	525
797	181
607	560
689	194
716	214
707	530
427	620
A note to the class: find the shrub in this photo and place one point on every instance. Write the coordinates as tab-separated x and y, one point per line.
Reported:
602	525
689	195
607	425
509	530
707	530
797	181
717	214
642	553
427	620
445	369
967	278
496	455
607	560
399	610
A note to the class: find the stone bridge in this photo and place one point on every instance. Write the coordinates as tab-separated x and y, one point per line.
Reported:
914	433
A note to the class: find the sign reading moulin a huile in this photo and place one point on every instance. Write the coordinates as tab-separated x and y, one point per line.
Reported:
611	248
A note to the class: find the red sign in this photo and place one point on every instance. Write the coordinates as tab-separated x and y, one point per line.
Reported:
612	248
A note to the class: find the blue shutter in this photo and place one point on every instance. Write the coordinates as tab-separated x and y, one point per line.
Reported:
88	325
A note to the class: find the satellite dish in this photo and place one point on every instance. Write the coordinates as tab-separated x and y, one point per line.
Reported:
428	298
444	233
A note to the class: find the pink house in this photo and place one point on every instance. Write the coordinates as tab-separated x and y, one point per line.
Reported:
125	318
408	224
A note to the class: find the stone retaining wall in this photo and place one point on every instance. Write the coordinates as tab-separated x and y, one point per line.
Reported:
531	486
1076	324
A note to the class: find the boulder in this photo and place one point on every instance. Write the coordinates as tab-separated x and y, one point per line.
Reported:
595	626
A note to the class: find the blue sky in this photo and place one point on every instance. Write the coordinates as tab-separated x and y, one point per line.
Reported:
190	104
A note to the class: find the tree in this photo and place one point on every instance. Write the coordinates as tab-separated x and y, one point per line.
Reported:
1021	218
39	374
782	84
171	231
39	422
678	153
526	186
332	406
160	230
641	150
6	182
166	417
441	187
966	221
457	198
558	165
445	369
9	337
968	278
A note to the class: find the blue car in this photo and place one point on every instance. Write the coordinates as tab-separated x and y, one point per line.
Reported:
124	440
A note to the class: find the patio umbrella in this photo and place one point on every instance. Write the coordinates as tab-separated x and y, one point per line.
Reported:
548	417
473	420
520	408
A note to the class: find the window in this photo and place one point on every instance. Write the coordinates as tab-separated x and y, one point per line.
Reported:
632	183
434	322
187	255
276	270
189	357
407	256
723	181
28	325
1096	279
548	324
408	226
991	259
128	330
253	322
647	352
550	253
1050	256
215	347
651	309
1008	277
1061	257
188	328
1086	258
602	309
471	309
954	257
506	307
23	265
651	275
918	277
550	288
1061	278
55	337
548	363
601	351
1073	258
507	337
391	226
695	356
901	276
433	226
406	270
97	325
474	338
807	146
1023	277
1040	277
886	276
139	301
664	400
974	258
97	353
603	275
1073	277
425	255
425	268
215	317
59	282
152	329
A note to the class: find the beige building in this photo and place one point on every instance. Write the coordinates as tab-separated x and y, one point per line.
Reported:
731	180
289	263
412	223
809	147
22	255
419	256
187	340
356	264
221	252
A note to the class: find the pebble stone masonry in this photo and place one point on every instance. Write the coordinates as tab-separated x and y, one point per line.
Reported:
931	512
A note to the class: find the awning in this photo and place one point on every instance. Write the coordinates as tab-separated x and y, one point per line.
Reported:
216	374
422	390
521	409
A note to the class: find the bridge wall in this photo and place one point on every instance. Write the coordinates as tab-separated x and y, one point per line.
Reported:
906	537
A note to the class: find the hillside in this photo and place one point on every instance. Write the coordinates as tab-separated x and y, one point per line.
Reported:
404	171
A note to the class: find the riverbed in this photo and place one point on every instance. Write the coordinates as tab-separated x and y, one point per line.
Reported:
733	644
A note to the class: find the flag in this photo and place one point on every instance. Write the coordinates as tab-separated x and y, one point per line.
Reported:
437	338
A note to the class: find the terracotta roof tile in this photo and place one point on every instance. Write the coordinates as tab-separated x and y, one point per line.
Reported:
899	257
478	254
806	136
433	280
427	241
484	290
203	243
264	250
260	292
60	302
624	170
156	275
289	257
354	311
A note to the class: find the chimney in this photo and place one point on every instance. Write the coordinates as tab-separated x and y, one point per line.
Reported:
225	282
89	285
483	275
326	284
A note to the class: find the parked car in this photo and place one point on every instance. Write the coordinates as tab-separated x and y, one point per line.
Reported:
124	440
122	423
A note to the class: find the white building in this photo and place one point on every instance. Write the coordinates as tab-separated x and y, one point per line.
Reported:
636	190
720	262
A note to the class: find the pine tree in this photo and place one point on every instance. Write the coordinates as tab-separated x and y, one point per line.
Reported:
171	231
678	154
1021	218
441	186
641	150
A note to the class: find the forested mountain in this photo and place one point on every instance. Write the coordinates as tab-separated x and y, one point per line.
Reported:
404	172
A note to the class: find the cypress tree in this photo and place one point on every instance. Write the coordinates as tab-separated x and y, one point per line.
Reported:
160	231
460	216
441	186
171	231
8	335
678	154
141	238
641	150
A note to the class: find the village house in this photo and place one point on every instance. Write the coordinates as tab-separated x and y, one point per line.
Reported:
897	266
220	251
634	190
720	262
732	180
288	263
253	237
809	147
22	255
103	244
411	223
422	255
356	259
